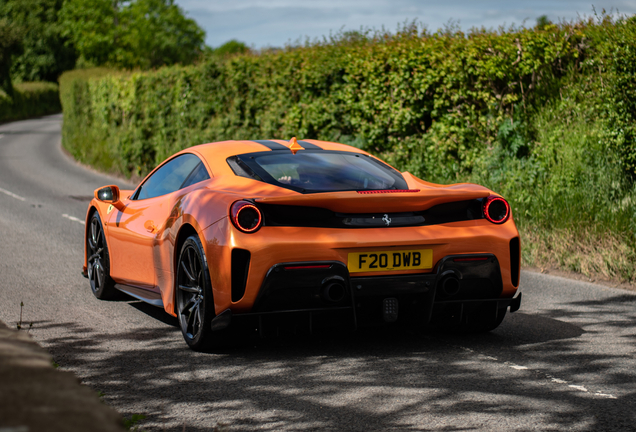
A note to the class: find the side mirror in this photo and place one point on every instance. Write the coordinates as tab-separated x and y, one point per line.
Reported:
108	194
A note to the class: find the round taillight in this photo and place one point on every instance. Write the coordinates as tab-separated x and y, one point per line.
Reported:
496	209
246	216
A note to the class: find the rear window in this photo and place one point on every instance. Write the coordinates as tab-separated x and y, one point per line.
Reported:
318	171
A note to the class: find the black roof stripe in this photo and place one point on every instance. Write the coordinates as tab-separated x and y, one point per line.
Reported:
309	146
271	145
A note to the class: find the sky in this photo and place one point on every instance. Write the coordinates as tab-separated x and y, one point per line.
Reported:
275	23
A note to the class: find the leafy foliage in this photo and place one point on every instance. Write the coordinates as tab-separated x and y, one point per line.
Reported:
46	53
543	22
229	48
618	62
432	103
10	44
137	34
30	100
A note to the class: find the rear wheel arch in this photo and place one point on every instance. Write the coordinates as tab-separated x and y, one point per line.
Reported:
185	231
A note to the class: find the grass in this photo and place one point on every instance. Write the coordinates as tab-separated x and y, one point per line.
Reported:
574	205
598	256
132	422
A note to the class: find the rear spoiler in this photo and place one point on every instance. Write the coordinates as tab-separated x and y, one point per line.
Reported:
382	201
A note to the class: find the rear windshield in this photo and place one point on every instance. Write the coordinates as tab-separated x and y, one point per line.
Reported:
310	171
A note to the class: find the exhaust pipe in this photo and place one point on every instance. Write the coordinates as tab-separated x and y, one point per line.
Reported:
333	292
450	286
449	283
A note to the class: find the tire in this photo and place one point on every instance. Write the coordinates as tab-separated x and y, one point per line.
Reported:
98	261
194	301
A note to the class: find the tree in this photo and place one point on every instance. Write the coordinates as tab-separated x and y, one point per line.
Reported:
158	33
231	47
543	22
92	27
46	52
10	44
141	33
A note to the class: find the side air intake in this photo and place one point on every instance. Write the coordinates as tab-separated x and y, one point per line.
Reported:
514	261
240	269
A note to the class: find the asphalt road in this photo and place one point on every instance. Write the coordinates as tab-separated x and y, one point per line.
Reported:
565	361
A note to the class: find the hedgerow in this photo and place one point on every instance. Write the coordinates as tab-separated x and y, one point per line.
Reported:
385	93
29	100
542	115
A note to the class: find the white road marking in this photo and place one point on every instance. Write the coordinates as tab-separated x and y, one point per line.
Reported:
18	197
518	367
12	195
577	387
550	377
73	218
559	381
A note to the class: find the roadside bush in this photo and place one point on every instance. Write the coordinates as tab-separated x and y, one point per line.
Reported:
30	100
437	99
87	143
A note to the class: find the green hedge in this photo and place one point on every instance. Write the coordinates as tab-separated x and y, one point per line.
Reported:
386	94
30	100
542	115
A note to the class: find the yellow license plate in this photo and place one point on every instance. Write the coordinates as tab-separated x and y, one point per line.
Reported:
390	260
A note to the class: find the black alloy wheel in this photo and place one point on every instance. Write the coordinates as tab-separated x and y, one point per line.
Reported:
195	305
97	263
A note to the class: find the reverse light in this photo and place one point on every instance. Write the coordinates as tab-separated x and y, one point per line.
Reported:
496	209
246	217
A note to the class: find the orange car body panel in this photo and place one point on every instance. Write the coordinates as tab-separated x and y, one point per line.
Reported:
142	237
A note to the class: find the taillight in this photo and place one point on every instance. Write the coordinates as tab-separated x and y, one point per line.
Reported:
496	209
246	216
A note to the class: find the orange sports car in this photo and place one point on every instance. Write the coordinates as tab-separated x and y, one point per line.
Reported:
312	232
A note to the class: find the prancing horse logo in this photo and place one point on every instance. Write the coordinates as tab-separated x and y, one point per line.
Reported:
386	219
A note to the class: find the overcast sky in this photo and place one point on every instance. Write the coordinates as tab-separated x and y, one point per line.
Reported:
273	23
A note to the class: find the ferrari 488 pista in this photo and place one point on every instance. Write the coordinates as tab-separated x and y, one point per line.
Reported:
288	232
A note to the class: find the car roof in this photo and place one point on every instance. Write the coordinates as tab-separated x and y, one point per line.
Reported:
215	154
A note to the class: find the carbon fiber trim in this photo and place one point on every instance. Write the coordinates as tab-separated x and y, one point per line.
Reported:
309	146
272	145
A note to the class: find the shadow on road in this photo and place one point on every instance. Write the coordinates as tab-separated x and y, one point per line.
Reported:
386	379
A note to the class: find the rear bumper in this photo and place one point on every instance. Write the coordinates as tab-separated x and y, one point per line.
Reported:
461	282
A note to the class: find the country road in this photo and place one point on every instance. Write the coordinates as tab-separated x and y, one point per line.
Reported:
565	361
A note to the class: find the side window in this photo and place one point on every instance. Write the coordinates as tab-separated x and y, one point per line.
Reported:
171	176
198	174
